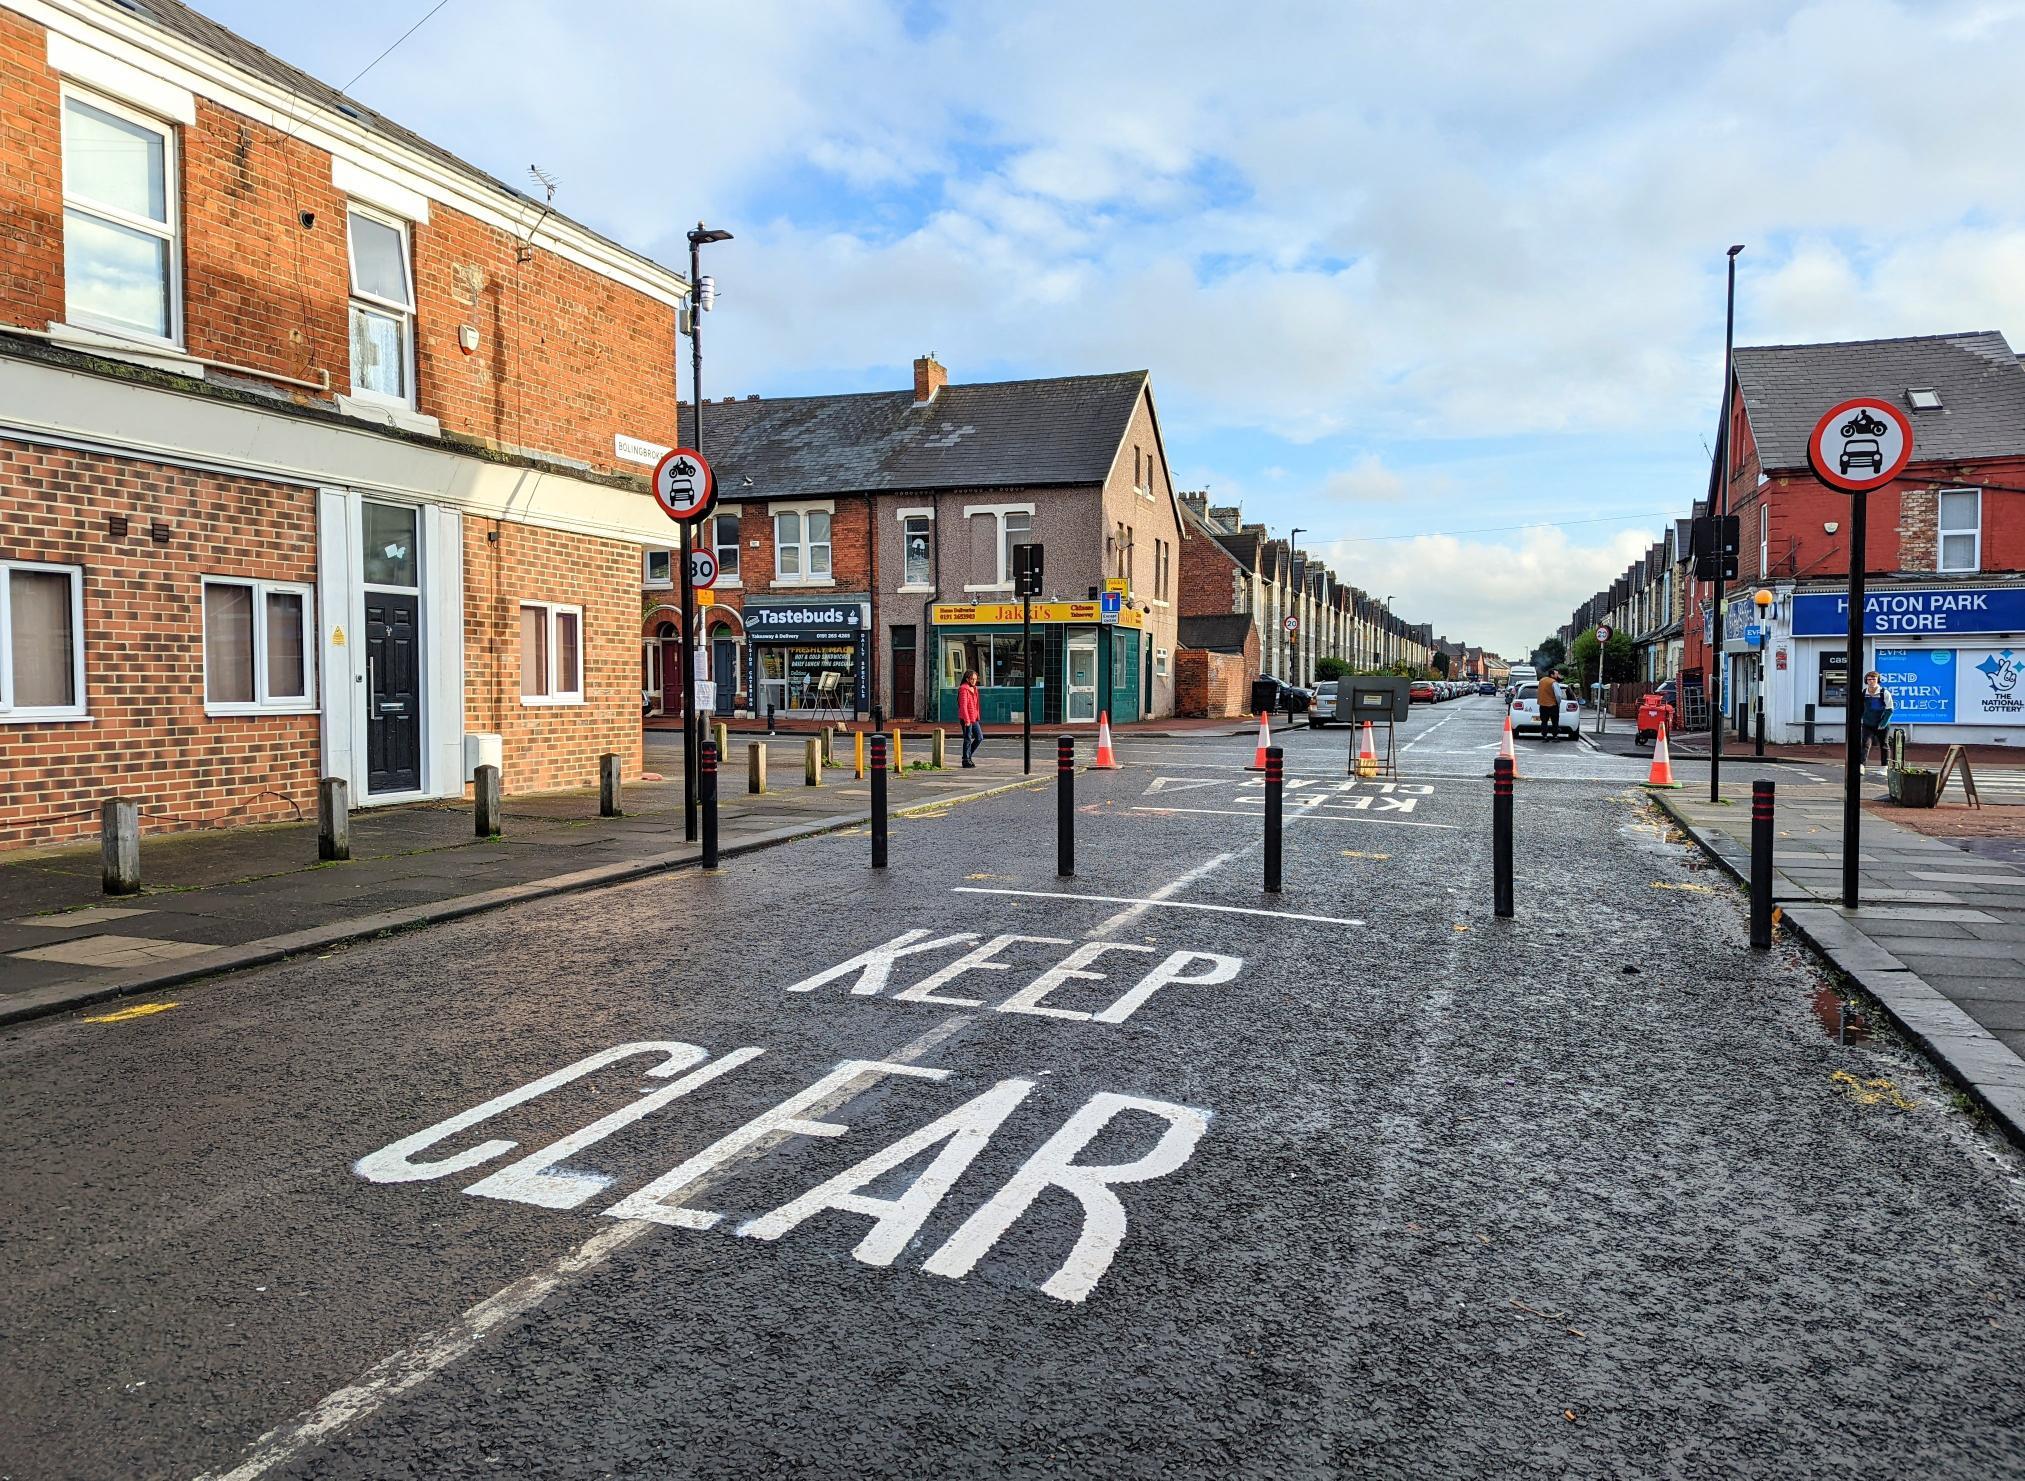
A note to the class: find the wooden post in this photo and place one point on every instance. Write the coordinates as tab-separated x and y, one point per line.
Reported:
723	740
755	767
119	838
485	796
812	762
938	752
829	745
608	785
333	819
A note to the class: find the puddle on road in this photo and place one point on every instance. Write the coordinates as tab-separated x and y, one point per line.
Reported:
1830	1007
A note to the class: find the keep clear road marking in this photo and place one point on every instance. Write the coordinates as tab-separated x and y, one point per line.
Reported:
1162	895
1144	902
393	1376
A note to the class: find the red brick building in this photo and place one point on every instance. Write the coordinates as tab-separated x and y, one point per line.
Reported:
320	450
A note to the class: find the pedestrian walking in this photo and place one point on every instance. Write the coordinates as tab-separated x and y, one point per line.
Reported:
971	713
1550	708
1876	711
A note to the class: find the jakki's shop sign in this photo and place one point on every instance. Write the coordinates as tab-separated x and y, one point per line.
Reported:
1889	613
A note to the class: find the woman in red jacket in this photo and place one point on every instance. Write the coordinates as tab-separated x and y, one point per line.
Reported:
971	713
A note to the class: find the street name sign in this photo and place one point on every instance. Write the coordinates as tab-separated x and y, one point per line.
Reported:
683	485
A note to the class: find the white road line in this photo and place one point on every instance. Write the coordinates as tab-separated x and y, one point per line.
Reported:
1327	920
1299	813
391	1377
1164	893
1425	734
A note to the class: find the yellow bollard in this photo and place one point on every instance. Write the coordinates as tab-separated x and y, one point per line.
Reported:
858	754
899	761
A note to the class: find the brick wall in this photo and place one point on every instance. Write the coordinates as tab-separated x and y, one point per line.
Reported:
850	551
148	736
550	746
566	357
1919	529
1212	684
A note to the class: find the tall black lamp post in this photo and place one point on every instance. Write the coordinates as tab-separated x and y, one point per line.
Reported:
1720	513
692	733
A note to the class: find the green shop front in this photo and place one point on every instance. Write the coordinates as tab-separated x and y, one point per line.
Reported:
1074	655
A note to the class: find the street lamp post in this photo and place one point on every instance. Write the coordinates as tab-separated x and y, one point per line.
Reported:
1763	600
1720	689
1294	654
1391	636
691	721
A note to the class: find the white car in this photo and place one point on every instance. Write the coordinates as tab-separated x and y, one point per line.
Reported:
1526	709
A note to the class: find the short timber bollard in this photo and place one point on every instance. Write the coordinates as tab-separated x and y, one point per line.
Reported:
1501	836
723	740
119	842
878	802
829	745
333	819
1065	805
812	762
485	802
938	749
1276	781
706	797
608	785
755	767
1761	865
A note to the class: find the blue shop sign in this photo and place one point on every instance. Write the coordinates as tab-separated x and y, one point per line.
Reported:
1922	684
1888	613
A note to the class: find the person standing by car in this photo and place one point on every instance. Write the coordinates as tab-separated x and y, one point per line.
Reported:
1876	714
1550	707
971	713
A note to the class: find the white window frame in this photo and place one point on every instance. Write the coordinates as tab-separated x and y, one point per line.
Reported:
550	611
803	545
263	701
648	579
1159	663
404	312
728	579
170	232
1764	539
10	713
997	514
927	516
1941	532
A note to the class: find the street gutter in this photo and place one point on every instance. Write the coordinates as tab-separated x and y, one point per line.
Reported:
1984	1066
62	997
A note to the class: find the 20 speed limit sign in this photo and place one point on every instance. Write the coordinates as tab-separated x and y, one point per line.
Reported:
684	486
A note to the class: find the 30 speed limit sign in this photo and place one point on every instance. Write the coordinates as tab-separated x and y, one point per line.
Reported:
702	569
684	486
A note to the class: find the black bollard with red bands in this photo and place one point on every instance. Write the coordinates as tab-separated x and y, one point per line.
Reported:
878	746
706	797
1761	865
1065	805
1276	783
1501	835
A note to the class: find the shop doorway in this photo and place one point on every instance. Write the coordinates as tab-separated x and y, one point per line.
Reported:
1080	692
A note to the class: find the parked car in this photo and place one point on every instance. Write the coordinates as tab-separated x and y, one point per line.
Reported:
1526	709
1323	709
1421	692
1486	687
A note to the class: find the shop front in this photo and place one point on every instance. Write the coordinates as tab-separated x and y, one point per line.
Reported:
1074	659
1953	658
808	658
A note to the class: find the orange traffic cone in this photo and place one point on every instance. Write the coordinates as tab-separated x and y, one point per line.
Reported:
1662	764
1265	739
1367	753
1505	747
1105	760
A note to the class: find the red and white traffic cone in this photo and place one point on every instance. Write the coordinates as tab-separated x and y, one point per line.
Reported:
1265	739
1661	774
1367	752
1505	747
1105	761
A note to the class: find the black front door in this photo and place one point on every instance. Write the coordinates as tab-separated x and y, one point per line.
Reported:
393	693
724	673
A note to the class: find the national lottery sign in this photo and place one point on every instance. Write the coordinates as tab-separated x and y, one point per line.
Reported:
1954	686
1888	613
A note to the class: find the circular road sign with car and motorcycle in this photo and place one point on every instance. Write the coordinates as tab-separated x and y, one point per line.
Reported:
1860	445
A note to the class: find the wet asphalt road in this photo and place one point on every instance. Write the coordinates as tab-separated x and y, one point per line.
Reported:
1589	1192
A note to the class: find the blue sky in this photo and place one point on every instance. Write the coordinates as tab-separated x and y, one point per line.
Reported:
1398	271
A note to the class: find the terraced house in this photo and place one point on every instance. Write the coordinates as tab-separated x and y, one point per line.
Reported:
320	449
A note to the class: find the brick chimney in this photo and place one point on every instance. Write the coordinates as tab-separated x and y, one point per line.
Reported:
929	377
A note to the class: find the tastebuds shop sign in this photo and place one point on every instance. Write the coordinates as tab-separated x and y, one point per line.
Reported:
1906	613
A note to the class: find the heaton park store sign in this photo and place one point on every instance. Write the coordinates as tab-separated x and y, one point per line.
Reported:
1913	613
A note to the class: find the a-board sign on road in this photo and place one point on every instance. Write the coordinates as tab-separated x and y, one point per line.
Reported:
683	485
702	569
1860	445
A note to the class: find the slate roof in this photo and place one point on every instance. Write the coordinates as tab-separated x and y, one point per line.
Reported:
1063	430
1981	384
180	21
1223	633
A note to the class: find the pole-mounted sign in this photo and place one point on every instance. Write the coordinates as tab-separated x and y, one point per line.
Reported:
702	569
1603	631
1858	446
684	486
1291	623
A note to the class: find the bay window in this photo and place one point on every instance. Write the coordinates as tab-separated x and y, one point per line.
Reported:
257	648
120	253
41	641
551	654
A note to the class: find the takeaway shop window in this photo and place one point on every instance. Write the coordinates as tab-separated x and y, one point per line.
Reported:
801	545
995	656
1961	530
724	542
551	654
41	642
257	653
